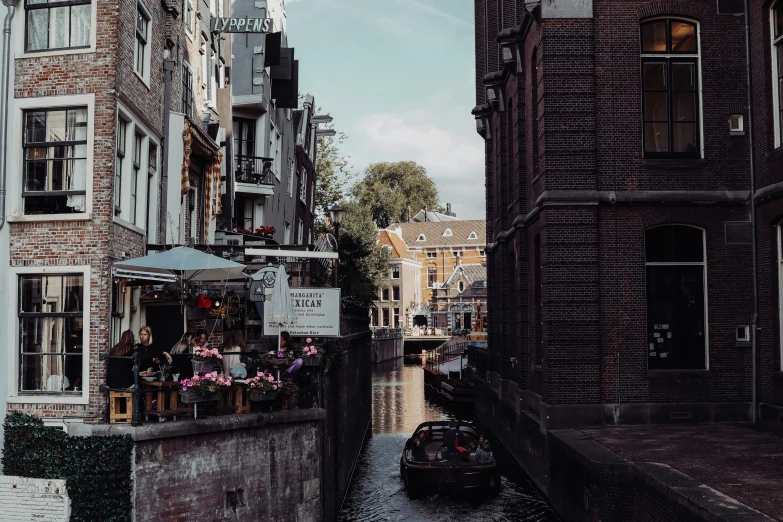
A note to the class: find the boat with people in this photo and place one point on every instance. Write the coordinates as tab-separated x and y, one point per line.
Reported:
447	457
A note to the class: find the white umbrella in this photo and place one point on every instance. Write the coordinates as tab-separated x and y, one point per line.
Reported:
282	310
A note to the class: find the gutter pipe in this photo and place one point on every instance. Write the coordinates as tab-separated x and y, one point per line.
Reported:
11	5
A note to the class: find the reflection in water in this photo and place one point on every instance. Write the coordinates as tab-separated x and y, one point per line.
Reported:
376	491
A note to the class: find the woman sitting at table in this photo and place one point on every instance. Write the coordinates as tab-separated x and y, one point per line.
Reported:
149	354
180	355
234	342
119	372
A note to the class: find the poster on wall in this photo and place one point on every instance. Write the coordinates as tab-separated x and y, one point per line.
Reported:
317	312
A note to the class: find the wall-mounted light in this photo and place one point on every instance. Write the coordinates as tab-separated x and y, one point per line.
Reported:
494	82
482	114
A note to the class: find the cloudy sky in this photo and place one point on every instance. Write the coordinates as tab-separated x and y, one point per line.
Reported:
398	78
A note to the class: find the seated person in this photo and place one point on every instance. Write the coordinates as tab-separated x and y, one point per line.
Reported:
483	453
453	439
419	451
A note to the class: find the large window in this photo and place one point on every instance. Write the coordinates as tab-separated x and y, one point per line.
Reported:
51	333
395	272
670	85
432	276
244	137
777	69
395	293
134	181
384	294
189	16
676	298
385	317
303	186
55	161
122	135
187	91
52	25
142	38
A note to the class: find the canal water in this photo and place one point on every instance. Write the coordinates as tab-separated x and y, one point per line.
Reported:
377	492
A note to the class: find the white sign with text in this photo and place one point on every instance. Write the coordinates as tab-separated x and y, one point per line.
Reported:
317	312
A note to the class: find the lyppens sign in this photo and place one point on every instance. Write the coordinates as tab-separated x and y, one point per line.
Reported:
317	312
242	25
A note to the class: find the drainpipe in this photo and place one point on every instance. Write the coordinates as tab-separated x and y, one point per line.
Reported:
754	322
169	66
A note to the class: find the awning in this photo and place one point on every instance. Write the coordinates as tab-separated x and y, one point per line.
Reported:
180	263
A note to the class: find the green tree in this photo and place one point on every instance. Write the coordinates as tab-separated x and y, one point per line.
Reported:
391	189
363	263
332	171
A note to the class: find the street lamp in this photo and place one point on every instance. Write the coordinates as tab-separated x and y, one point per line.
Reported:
336	215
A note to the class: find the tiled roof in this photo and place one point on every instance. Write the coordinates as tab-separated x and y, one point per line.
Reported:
432	233
474	274
433	216
398	248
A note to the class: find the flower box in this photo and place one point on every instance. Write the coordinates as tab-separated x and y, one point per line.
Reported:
258	396
315	360
189	397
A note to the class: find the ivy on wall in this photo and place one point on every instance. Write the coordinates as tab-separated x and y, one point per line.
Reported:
97	470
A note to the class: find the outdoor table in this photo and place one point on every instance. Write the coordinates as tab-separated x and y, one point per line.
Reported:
165	390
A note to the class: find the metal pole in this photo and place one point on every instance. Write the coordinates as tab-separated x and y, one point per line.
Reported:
137	403
337	261
168	72
11	4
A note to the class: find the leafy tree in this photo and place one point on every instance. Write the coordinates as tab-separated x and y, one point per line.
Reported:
391	189
333	171
363	263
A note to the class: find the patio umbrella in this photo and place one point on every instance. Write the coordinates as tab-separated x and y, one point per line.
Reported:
282	310
180	264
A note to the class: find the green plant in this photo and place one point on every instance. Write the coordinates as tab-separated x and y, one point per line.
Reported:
333	353
97	470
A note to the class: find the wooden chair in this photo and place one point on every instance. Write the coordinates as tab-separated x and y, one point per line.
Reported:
120	407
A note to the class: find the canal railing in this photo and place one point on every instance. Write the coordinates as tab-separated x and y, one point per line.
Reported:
387	333
477	359
451	350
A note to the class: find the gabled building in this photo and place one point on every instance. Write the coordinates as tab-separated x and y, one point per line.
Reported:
456	302
403	289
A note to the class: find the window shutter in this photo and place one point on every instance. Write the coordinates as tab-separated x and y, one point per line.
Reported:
272	42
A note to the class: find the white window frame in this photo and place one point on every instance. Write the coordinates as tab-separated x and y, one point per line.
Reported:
144	203
300	233
448	233
697	55
777	95
144	75
703	264
189	28
19	34
303	186
291	174
287	236
472	235
12	338
15	199
421	237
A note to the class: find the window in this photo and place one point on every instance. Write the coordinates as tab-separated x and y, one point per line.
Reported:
142	35
312	197
51	335
432	276
122	133
473	236
134	182
461	286
670	73
421	238
395	272
303	187
189	16
300	234
384	317
676	305
395	293
291	176
777	70
447	233
482	253
538	356
187	90
55	161
152	199
287	236
55	25
384	294
374	318
432	254
396	316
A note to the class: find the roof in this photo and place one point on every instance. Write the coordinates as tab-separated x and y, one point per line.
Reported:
398	248
433	216
430	234
474	274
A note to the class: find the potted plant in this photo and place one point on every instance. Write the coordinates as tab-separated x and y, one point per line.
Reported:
165	367
280	358
263	387
288	392
205	359
310	354
203	388
266	232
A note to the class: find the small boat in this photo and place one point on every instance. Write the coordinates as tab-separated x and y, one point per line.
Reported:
447	472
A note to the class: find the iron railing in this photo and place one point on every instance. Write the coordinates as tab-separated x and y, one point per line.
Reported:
250	169
386	333
452	349
477	359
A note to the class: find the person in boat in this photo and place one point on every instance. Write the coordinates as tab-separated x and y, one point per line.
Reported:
483	453
419	448
454	440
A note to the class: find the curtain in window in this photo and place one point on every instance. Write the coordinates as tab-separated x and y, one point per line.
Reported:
77	177
80	25
37	29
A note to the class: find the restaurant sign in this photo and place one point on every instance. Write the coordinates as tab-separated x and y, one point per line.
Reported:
242	25
317	312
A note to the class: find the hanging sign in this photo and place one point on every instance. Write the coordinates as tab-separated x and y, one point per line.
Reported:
317	312
242	25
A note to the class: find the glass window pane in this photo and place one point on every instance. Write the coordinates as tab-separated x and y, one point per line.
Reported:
55	126
684	106
59	24
52	294
77	125
655	107
654	76
778	20
73	373
74	293
57	175
37	29
35	126
80	25
659	244
35	173
688	244
684	137
683	77
683	37
30	290
656	137
654	36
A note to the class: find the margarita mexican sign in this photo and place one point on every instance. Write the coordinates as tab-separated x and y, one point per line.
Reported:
317	312
242	25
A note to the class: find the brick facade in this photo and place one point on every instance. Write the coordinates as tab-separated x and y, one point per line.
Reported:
570	195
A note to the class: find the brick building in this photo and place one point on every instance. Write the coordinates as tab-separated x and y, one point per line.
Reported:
618	224
403	289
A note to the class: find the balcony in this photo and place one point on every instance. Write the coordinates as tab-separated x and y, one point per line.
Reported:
252	178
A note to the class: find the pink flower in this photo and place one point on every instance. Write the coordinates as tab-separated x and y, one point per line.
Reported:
308	340
274	386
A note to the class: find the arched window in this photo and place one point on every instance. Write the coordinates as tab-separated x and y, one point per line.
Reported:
670	87
461	286
676	298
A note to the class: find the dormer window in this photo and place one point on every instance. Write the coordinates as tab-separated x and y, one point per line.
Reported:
447	233
461	286
473	235
421	238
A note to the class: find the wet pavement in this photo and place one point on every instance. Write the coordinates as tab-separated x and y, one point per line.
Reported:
376	491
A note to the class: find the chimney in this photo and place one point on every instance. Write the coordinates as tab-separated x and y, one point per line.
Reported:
448	209
398	230
425	213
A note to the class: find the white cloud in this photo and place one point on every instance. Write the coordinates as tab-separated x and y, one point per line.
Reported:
445	143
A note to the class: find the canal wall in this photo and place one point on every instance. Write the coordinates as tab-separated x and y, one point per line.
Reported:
584	480
387	349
